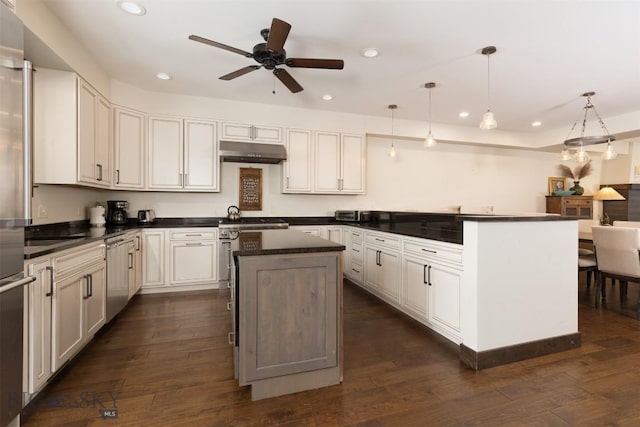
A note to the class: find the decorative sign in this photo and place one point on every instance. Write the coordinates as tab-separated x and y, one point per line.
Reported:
250	241
250	189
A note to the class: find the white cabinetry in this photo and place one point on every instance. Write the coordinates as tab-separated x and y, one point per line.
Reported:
183	154
352	239
79	297
248	132
179	259
432	274
314	230
153	257
72	131
297	169
134	251
38	329
339	163
129	144
382	265
193	256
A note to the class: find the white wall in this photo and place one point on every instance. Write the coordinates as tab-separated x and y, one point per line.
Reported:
59	203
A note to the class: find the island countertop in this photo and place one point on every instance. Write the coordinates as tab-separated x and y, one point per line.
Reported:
272	242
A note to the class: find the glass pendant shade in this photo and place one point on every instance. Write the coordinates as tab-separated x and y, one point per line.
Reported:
488	122
581	155
392	151
430	141
610	153
565	155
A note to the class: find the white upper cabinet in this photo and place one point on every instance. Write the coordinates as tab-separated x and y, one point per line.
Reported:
129	144
340	162
297	172
247	132
183	154
72	131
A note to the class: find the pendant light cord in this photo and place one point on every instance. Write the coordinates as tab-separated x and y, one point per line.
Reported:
429	110
488	82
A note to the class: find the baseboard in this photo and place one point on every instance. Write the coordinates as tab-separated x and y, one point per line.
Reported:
514	353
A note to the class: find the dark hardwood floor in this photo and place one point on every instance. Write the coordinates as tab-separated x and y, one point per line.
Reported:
167	362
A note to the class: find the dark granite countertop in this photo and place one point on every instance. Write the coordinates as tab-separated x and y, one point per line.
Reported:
272	242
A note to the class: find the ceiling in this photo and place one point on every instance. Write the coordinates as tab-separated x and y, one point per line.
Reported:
548	53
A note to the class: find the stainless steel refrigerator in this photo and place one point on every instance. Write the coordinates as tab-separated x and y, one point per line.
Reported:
15	197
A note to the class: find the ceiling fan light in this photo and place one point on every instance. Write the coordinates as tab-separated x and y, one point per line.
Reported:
581	155
488	122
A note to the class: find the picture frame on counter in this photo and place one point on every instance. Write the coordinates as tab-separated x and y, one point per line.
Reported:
556	183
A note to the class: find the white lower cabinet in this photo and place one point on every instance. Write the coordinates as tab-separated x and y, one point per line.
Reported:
382	272
180	259
444	297
415	287
38	328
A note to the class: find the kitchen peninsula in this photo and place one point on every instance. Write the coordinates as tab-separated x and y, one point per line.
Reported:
286	301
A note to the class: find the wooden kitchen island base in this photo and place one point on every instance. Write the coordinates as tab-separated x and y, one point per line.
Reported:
289	315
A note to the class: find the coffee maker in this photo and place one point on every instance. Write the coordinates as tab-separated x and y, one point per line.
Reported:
117	211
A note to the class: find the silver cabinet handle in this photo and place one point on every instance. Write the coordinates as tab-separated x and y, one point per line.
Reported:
193	235
117	176
229	306
431	252
137	243
99	171
130	261
186	179
230	338
380	240
50	270
180	179
194	244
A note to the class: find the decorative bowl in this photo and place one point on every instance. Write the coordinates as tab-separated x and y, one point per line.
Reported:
564	193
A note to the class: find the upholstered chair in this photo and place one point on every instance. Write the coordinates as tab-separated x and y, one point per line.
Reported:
618	256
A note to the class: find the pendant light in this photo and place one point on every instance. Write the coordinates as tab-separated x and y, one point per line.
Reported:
430	141
392	151
488	121
581	141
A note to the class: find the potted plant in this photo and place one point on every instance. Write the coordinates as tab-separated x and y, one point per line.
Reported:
576	175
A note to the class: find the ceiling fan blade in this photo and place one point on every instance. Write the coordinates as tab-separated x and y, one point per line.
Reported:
277	35
221	46
240	72
333	64
288	80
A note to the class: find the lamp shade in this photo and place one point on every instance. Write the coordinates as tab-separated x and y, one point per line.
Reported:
607	193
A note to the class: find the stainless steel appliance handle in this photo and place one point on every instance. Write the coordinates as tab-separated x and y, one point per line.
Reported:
17	284
27	125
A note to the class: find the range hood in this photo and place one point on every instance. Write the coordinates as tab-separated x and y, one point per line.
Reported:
251	152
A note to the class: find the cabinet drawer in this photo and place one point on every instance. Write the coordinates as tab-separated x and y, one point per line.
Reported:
355	272
577	202
356	236
386	240
433	249
70	260
356	252
191	234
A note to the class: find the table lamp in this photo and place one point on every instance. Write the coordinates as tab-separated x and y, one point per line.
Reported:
607	193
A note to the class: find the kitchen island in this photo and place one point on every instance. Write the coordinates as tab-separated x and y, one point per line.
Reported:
287	311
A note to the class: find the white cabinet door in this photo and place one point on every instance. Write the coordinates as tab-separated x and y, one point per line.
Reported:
153	258
314	230
352	166
103	140
129	148
165	153
67	321
372	268
415	287
334	234
248	132
95	299
444	296
391	274
297	168
193	262
87	168
39	327
327	162
200	156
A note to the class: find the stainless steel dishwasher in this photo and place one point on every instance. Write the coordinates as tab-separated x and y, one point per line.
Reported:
118	266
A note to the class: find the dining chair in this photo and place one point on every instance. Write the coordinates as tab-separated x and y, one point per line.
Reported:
618	257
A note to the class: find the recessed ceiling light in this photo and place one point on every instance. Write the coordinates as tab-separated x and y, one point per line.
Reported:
132	8
327	97
536	123
463	114
163	76
370	52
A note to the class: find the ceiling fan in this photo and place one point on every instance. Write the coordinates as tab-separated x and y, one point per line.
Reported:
271	54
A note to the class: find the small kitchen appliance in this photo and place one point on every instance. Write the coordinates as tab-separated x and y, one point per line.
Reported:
97	216
146	216
117	211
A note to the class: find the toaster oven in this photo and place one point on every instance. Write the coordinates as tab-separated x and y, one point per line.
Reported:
351	216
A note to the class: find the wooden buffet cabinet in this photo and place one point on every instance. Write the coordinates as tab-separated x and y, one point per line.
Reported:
578	206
